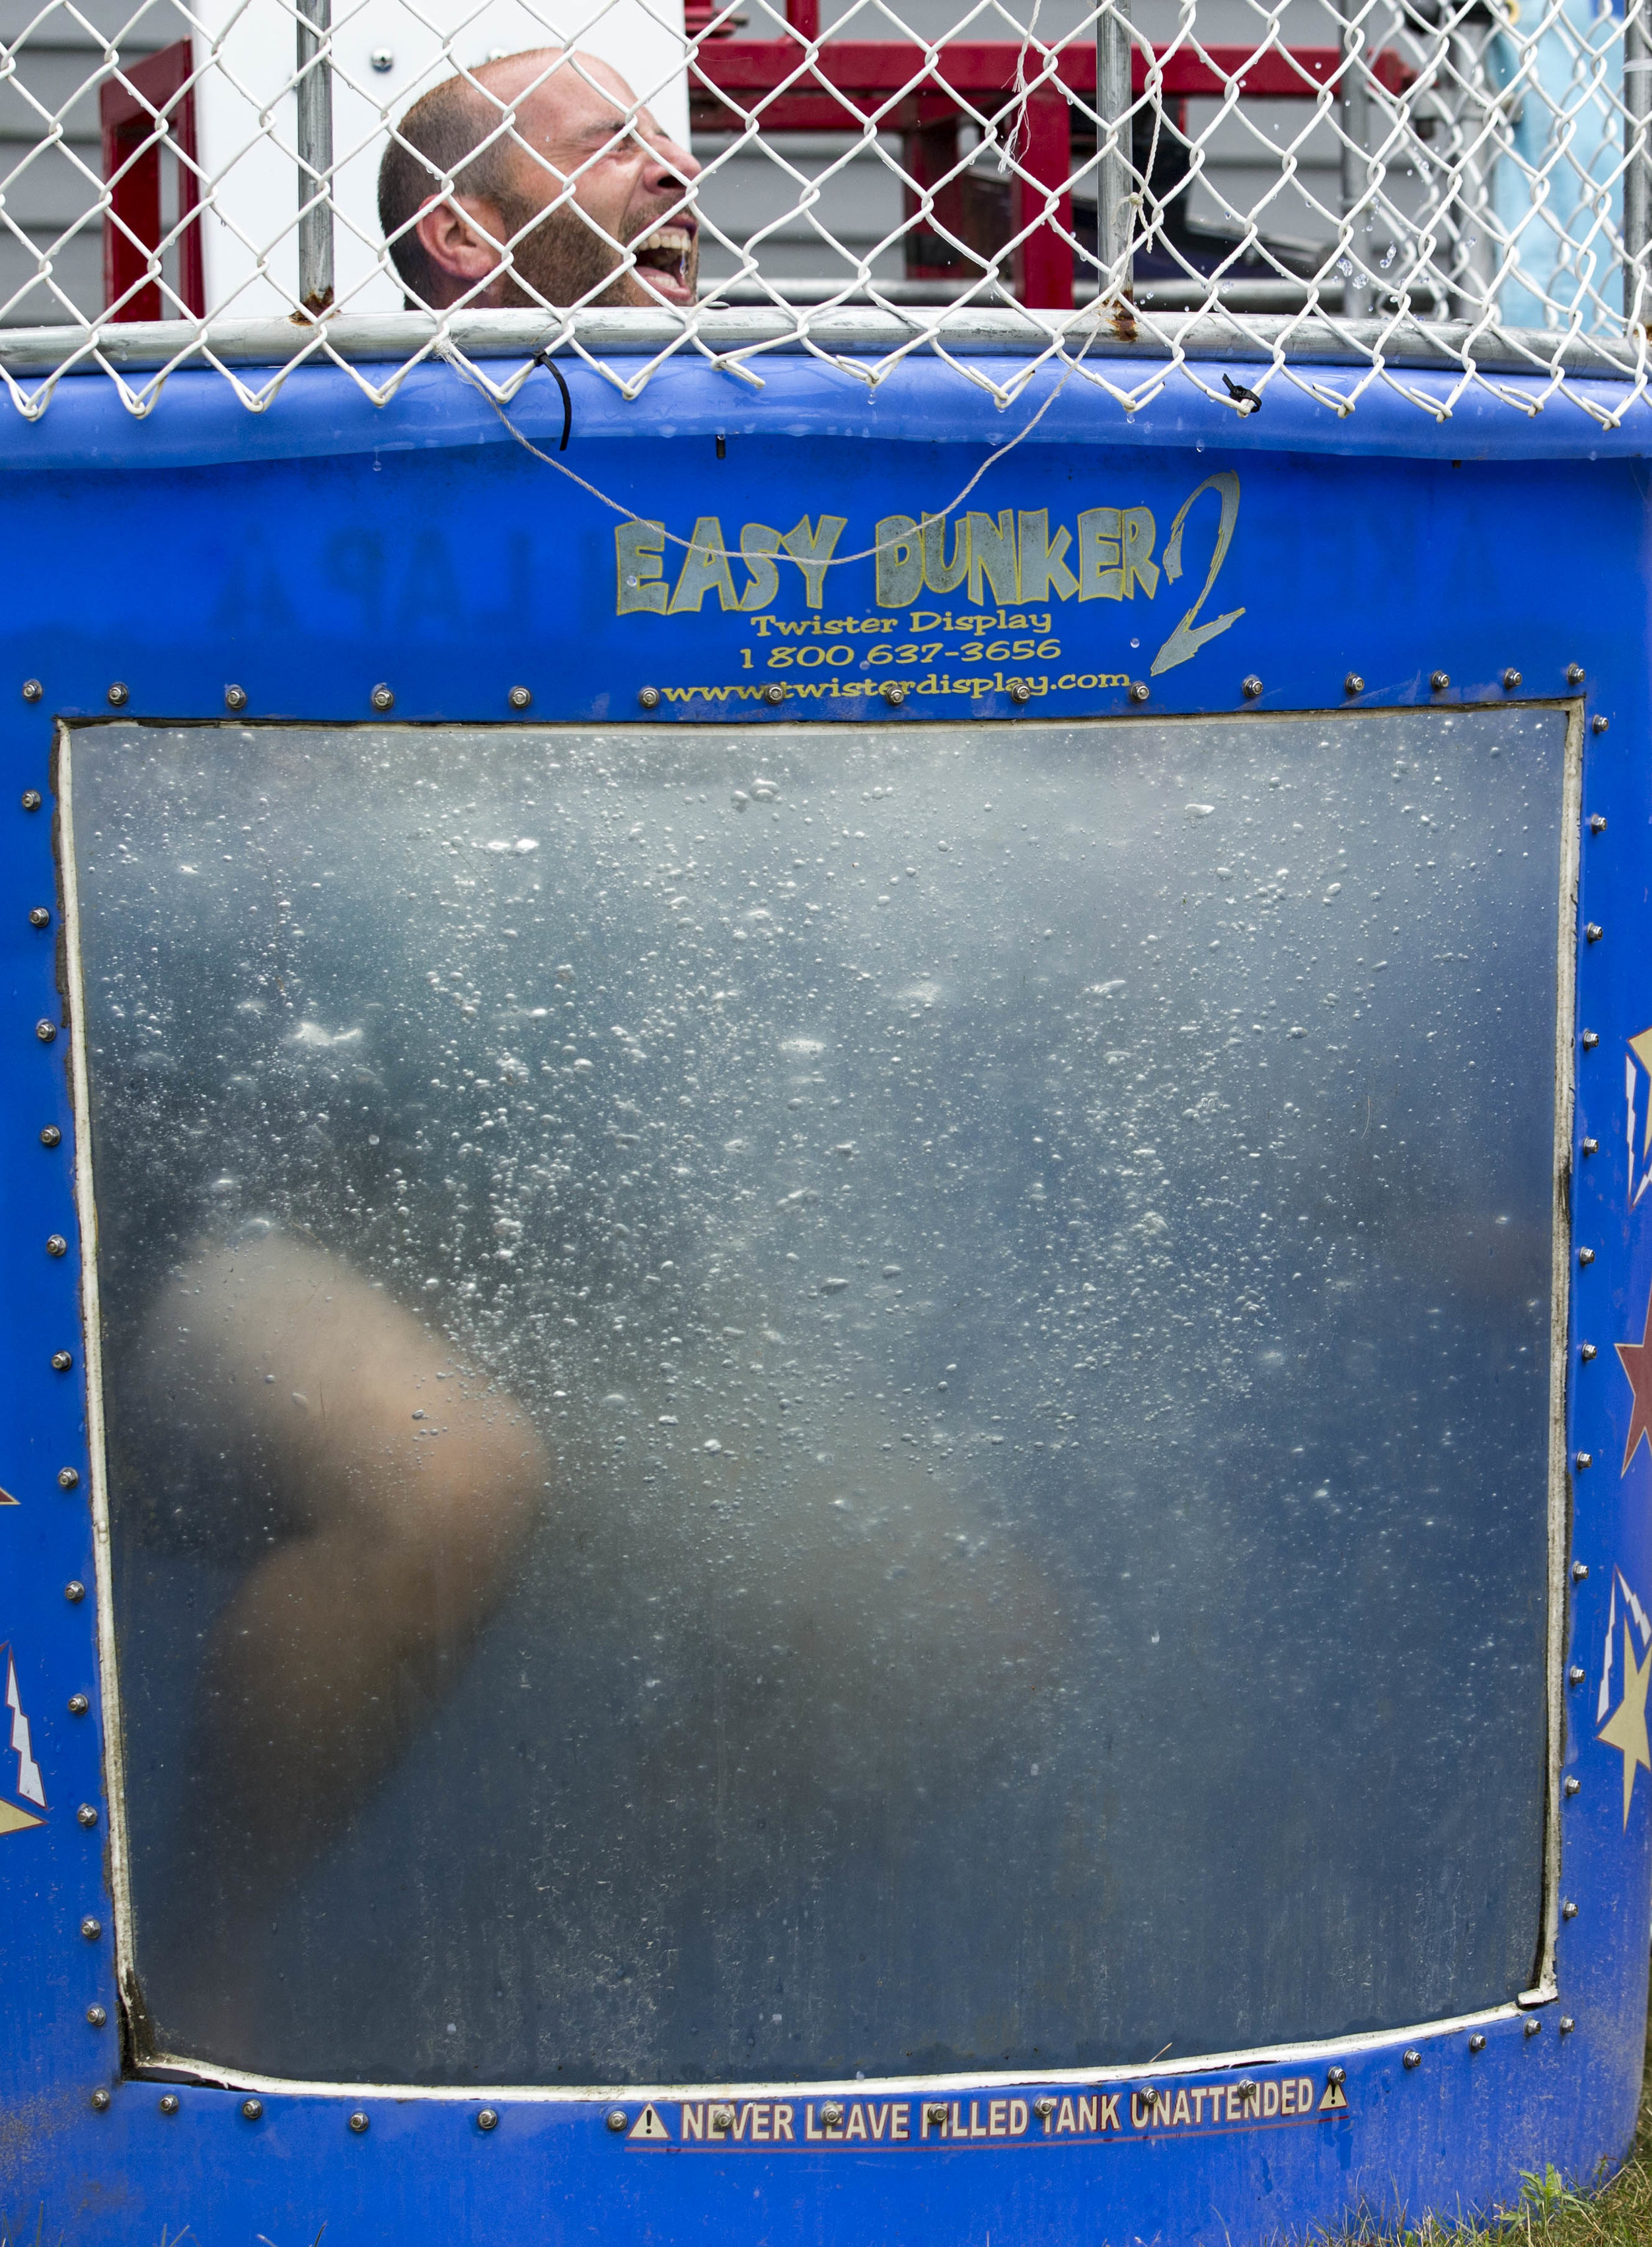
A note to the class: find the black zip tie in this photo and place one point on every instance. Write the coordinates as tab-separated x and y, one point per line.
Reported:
1236	391
543	358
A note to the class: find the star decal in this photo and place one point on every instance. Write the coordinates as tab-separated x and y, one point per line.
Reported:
1637	1088
1636	1360
1625	1729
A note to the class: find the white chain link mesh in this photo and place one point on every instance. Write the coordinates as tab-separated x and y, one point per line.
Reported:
1331	201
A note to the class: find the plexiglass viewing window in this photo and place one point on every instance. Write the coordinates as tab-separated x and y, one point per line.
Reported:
843	1400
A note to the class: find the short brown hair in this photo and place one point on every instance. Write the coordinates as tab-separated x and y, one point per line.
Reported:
451	134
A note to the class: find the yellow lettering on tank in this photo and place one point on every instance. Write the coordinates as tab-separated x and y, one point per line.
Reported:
705	570
639	550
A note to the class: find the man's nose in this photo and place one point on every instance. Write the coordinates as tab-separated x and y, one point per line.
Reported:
673	167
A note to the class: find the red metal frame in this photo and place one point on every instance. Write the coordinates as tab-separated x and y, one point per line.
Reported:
852	81
130	110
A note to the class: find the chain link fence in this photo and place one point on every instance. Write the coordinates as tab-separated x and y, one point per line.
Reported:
1334	199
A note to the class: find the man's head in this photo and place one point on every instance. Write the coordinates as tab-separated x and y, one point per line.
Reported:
544	165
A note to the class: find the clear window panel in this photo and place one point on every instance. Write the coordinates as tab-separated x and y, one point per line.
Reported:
835	1400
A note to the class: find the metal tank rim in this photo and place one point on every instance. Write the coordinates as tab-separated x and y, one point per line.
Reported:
193	417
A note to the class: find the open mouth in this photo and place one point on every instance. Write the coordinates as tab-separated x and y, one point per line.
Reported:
664	259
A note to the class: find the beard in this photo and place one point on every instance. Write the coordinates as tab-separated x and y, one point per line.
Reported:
560	258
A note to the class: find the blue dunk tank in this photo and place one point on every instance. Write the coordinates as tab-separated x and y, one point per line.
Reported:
826	1316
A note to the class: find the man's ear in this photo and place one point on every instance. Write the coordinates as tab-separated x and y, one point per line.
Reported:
463	237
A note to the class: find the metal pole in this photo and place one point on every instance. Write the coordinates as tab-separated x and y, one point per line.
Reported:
1637	173
315	157
1114	211
1356	134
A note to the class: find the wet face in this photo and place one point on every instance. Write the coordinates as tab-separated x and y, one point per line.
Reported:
588	186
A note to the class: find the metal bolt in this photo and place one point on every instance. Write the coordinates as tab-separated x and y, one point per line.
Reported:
359	2122
51	1137
30	799
168	2102
1439	680
100	2100
1250	686
79	1705
520	697
39	917
1575	674
74	1591
382	59
1593	930
1044	2108
45	1031
1586	1256
617	2118
1591	1146
1569	1909
381	698
252	2109
68	1477
1353	684
1588	1352
56	1245
119	692
235	697
1591	1039
32	690
1476	2042
1019	691
1566	2024
61	1361
1337	2075
1139	690
87	1813
774	693
722	2118
935	2112
1597	823
1584	1459
1533	2026
831	2115
1575	1674
91	1928
1580	1570
1413	2058
96	2018
1573	1786
894	694
1247	2089
1598	724
487	2120
649	697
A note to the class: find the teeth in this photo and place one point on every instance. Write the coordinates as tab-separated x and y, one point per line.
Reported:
675	241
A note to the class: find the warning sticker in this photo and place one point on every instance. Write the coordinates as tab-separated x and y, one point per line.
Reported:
1049	2117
